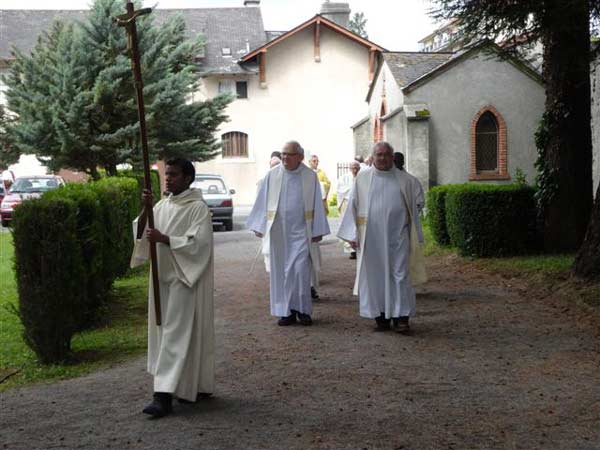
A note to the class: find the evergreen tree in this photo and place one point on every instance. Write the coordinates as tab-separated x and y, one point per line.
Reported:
564	138
75	99
8	152
358	25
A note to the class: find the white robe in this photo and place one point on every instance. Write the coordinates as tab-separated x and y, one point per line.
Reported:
344	188
288	230
181	352
383	281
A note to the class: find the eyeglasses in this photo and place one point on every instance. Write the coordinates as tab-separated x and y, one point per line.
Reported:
289	154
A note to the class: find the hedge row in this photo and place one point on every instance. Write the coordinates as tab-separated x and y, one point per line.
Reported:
70	245
484	220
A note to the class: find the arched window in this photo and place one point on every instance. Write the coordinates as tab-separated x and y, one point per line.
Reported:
488	146
486	143
235	144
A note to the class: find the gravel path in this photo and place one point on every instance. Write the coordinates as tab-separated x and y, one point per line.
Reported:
488	366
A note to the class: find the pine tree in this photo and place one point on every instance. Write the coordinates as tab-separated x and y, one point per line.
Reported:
358	25
564	139
8	152
75	98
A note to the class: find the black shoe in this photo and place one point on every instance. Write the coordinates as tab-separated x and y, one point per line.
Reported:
286	321
201	396
313	293
401	325
353	255
382	324
161	405
304	319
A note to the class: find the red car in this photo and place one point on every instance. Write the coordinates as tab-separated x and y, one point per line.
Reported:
24	188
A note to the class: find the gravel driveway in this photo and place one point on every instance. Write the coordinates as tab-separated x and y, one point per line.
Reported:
488	366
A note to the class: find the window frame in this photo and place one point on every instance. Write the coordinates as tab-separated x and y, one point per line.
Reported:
242	144
501	172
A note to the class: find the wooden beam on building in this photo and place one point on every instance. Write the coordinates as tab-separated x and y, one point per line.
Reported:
372	54
318	41
262	69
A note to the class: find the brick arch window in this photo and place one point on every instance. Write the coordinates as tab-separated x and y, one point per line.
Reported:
378	129
235	145
488	146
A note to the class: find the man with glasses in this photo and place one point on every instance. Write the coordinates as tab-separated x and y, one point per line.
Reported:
289	213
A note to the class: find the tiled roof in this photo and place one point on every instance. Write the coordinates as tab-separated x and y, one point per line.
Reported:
409	66
238	29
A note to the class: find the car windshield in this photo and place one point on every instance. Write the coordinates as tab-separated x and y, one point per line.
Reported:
210	185
24	185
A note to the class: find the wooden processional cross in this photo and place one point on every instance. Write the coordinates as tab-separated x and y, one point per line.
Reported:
128	21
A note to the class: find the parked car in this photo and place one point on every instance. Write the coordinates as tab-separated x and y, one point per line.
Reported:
25	188
217	197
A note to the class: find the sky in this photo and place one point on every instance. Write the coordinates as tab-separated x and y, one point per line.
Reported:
393	24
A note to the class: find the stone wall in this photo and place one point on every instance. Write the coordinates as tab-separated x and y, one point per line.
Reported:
363	139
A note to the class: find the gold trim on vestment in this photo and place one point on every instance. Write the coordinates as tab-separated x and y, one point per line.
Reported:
308	215
361	220
271	215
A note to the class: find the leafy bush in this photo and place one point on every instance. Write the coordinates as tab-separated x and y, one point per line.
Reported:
85	229
50	274
333	199
491	220
436	213
139	176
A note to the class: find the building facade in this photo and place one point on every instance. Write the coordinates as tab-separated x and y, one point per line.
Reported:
457	117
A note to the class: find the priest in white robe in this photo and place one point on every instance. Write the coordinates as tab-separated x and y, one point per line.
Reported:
289	214
181	352
344	187
382	223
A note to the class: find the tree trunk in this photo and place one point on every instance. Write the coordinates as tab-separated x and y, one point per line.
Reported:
587	262
111	170
568	152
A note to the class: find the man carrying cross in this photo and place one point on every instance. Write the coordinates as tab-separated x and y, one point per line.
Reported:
181	354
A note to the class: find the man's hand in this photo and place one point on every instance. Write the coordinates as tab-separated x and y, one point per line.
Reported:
353	244
317	239
147	198
154	235
258	235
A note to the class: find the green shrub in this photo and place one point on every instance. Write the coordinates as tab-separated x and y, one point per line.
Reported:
50	273
120	203
98	238
139	176
491	220
333	199
90	236
436	213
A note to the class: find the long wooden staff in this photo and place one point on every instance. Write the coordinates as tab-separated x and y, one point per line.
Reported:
128	21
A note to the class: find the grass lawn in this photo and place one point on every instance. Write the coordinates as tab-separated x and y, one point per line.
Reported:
123	335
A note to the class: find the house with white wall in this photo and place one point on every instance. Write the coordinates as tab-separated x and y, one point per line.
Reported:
306	84
457	117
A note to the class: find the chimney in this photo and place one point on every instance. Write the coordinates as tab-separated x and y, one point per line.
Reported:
251	2
336	12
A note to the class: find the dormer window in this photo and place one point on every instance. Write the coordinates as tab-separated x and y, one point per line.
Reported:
226	51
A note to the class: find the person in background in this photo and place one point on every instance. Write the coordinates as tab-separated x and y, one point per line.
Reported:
344	188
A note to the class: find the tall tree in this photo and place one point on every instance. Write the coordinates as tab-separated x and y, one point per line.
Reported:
358	25
75	101
8	152
565	156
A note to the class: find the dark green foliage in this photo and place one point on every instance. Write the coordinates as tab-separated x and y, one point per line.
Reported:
50	274
139	177
491	220
358	25
91	241
75	97
436	213
8	152
85	229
